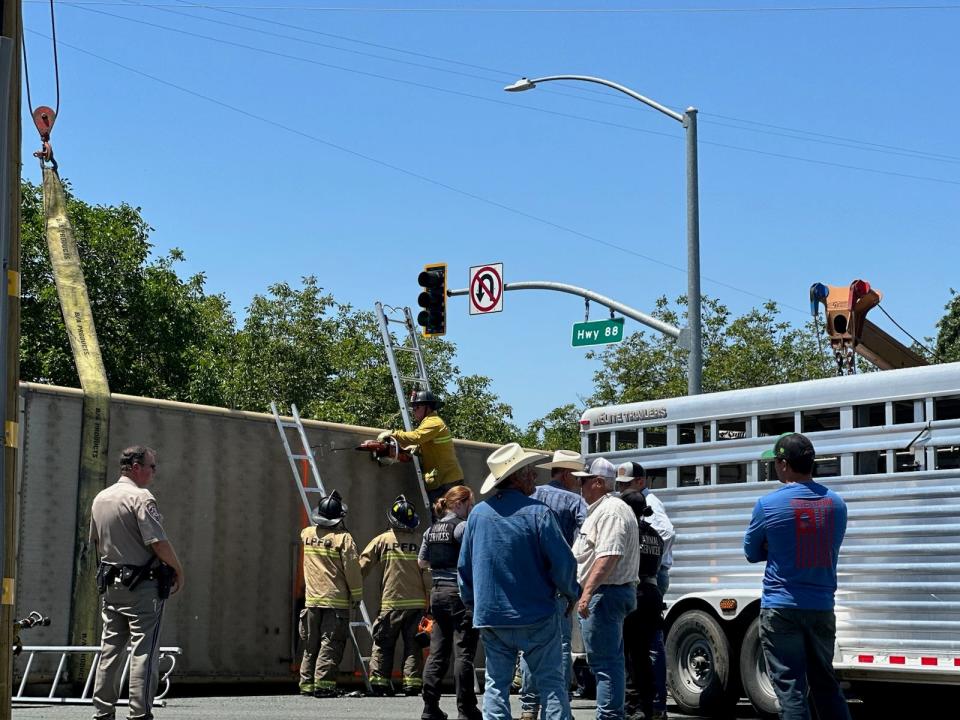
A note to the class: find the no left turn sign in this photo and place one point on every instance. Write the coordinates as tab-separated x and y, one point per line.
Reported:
486	289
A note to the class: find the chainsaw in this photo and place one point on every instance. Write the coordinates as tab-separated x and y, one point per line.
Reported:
385	452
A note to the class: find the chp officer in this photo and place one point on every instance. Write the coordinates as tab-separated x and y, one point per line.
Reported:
138	568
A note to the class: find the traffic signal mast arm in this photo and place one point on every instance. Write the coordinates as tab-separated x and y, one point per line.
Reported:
625	310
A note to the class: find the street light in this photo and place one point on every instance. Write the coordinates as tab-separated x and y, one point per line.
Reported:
689	121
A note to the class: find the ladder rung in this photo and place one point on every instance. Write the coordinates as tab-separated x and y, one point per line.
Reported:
312	490
405	349
394	320
288	425
300	457
407	378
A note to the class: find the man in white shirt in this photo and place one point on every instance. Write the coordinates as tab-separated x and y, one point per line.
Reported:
608	556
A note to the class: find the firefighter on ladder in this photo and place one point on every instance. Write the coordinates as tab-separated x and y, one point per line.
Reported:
432	438
331	570
403	600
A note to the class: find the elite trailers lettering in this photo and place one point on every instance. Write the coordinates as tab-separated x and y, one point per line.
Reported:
629	416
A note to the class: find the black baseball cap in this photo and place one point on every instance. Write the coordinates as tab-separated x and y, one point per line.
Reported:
630	471
789	447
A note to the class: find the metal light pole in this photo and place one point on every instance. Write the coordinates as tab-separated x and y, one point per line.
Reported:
689	121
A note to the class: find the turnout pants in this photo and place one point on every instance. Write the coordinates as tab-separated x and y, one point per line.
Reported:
130	617
324	635
387	629
452	632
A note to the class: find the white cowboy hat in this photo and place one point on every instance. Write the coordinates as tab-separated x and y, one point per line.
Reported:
505	460
567	459
599	467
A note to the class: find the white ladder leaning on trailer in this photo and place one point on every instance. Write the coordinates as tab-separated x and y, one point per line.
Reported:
418	380
318	490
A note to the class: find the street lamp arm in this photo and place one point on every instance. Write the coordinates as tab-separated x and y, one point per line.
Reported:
616	86
625	310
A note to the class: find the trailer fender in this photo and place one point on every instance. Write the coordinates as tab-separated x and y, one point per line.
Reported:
726	604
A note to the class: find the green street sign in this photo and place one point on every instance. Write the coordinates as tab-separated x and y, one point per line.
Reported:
599	332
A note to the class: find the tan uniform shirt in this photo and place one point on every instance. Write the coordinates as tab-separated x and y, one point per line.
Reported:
331	569
124	522
439	459
404	584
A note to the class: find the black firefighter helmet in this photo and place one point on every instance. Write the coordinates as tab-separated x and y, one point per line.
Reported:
425	397
330	511
402	515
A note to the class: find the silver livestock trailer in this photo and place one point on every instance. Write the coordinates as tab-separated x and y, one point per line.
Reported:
888	442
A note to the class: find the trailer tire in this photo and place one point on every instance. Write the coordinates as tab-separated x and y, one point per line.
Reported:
700	673
753	674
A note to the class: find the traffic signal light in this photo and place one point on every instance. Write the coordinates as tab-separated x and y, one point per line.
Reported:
433	299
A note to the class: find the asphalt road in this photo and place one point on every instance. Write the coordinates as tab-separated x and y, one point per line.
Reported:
290	707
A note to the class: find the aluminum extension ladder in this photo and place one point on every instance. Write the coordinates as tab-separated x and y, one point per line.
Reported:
86	697
317	489
387	315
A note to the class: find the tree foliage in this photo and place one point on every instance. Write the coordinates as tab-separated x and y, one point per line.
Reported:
947	347
160	336
758	348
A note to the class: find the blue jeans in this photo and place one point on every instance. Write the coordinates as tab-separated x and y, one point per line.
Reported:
798	647
540	645
603	640
658	653
529	695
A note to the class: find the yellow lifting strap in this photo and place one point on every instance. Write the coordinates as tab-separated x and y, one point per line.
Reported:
78	319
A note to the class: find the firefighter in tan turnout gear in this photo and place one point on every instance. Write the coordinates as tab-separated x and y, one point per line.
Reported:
432	439
403	599
331	570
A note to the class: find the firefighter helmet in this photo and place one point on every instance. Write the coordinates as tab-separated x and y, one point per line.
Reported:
402	515
425	397
330	510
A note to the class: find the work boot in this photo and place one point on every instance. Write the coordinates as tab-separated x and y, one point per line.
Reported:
433	713
326	693
411	691
474	714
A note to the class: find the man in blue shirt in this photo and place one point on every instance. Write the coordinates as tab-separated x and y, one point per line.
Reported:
797	530
571	511
514	562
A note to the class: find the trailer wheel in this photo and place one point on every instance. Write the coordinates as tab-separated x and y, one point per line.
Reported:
700	674
753	674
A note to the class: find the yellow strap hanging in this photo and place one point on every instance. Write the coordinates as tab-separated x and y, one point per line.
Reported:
78	319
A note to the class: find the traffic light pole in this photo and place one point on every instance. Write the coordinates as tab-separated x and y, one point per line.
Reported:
683	336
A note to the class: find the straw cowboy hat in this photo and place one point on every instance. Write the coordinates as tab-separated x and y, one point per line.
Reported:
506	460
567	459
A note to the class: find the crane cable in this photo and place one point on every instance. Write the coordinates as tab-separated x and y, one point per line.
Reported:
81	332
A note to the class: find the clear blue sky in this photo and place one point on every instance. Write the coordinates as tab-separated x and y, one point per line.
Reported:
252	203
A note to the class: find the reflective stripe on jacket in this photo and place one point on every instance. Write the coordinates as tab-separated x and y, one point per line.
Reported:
437	455
331	568
404	584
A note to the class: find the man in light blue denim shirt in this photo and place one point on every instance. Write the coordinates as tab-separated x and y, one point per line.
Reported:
514	562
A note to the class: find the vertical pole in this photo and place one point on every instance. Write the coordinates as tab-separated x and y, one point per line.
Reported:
9	328
695	362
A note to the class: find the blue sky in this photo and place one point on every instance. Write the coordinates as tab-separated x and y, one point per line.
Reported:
828	152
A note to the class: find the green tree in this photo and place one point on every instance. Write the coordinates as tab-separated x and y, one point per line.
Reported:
475	412
559	429
160	336
758	348
947	347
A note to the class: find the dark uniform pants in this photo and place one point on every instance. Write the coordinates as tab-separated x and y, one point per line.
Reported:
452	631
324	635
639	630
387	629
130	617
